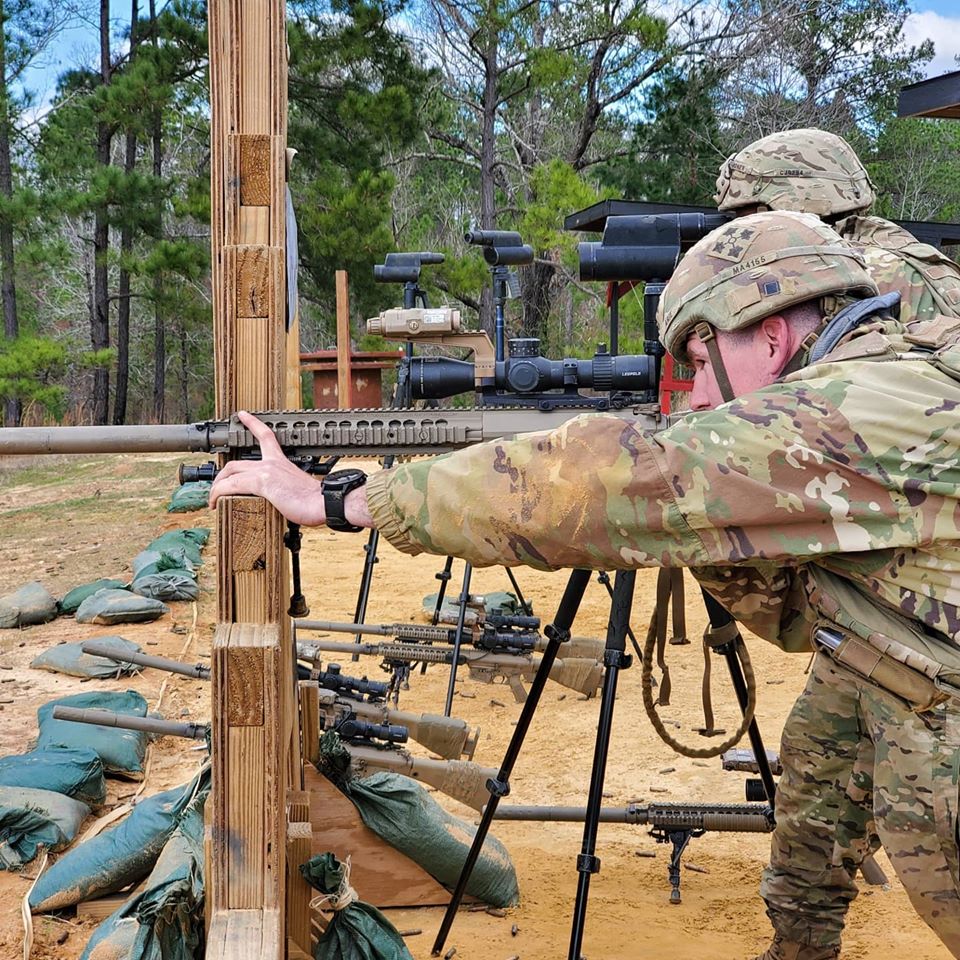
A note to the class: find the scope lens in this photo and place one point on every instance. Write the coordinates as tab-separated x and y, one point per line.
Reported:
434	378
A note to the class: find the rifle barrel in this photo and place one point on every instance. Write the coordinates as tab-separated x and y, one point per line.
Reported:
159	438
98	649
124	721
721	817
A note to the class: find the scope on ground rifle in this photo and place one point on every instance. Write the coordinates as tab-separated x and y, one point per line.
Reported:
352	729
525	372
404	267
333	679
645	246
501	248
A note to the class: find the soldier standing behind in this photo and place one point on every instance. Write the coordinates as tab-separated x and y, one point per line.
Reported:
812	171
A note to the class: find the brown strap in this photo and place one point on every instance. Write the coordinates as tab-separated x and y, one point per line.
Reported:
658	629
799	359
677	608
708	337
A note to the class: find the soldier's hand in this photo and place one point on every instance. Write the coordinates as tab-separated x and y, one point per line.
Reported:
294	493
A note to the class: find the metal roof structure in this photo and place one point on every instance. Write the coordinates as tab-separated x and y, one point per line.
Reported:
936	97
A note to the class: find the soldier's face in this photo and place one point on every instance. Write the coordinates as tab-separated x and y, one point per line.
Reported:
750	362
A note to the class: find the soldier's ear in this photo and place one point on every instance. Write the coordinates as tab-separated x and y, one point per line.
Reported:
775	342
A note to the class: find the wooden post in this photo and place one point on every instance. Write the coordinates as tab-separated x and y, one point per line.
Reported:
344	384
256	759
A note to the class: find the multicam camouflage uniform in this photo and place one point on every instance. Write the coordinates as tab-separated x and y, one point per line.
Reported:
812	171
849	466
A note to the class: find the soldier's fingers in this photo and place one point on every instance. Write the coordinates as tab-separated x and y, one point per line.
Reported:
241	480
263	434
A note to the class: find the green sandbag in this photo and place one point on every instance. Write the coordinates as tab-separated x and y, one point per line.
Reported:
120	856
358	931
401	812
165	921
199	535
30	819
149	561
29	605
70	603
76	773
497	603
189	497
168	585
119	606
70	659
121	751
175	542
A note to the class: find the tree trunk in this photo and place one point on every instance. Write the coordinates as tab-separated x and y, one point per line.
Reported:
159	334
488	143
100	308
8	289
184	372
126	248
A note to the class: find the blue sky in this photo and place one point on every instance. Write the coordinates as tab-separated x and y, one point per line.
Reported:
937	19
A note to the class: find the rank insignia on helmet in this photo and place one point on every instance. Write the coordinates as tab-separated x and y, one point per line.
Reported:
732	244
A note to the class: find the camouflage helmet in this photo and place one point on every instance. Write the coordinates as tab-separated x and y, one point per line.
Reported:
754	267
809	171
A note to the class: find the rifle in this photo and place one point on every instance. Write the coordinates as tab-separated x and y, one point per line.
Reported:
309	435
490	633
673	823
448	737
97	648
124	721
581	674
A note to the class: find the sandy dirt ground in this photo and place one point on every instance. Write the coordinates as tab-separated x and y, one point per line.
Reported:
69	521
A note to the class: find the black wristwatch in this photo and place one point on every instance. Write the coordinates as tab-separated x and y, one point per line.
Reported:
335	487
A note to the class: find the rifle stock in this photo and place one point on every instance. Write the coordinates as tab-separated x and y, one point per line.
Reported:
460	779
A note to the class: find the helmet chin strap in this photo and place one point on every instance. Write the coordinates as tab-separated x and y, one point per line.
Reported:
708	337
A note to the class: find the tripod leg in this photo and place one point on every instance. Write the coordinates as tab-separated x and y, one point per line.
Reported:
444	577
458	638
615	659
557	633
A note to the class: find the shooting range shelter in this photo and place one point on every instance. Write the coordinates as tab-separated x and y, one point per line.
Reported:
366	376
937	98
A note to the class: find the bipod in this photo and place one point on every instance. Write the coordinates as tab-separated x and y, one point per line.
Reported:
557	633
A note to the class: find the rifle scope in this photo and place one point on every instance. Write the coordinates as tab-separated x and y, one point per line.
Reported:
333	679
501	248
644	247
525	371
351	728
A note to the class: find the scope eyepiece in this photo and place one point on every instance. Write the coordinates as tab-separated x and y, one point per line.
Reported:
493	238
333	679
404	267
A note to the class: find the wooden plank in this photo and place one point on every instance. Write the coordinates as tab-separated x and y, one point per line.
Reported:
253	225
255	170
379	873
310	720
257	94
299	892
102	907
245	935
253	281
246	747
344	386
245	704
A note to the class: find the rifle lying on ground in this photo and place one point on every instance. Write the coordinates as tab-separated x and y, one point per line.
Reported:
582	674
339	695
674	823
462	780
493	633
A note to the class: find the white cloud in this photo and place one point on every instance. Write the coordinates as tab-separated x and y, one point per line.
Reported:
943	31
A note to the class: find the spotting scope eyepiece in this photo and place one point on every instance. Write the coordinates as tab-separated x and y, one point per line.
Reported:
404	267
501	248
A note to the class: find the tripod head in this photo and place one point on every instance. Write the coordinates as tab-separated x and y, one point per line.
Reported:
502	249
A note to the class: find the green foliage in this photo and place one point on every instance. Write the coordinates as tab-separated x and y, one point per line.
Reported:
29	367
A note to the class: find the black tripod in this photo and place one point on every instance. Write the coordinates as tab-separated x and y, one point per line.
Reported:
726	639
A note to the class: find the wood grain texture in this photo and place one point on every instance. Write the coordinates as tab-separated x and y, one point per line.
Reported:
344	385
255	170
245	694
310	720
253	281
